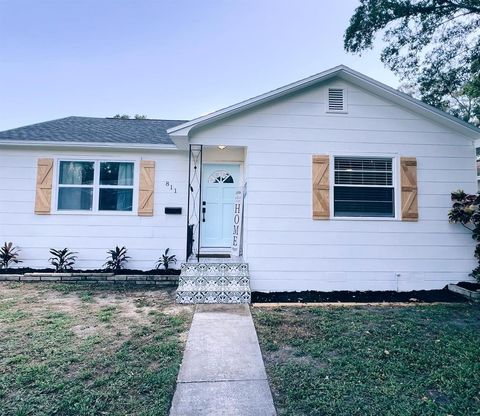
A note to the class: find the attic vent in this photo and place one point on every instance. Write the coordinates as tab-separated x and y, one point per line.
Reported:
336	99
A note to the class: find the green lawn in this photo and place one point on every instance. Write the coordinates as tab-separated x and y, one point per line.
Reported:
422	360
88	350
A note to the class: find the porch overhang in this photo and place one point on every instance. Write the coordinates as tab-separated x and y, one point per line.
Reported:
180	140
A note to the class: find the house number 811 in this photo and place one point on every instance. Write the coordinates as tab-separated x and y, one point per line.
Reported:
168	185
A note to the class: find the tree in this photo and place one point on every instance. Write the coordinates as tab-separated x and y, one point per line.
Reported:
432	45
127	117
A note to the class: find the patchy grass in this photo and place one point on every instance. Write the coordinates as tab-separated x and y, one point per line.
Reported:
372	360
88	350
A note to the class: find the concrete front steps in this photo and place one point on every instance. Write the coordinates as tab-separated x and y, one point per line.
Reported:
214	282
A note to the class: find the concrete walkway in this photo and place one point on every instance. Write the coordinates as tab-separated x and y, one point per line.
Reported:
222	372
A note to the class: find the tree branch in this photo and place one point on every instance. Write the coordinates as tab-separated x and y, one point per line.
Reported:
468	228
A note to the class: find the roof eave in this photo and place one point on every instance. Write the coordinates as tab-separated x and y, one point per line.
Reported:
87	145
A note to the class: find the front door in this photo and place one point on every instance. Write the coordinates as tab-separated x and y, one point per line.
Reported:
219	182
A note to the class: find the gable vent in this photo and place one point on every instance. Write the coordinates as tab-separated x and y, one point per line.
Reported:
336	99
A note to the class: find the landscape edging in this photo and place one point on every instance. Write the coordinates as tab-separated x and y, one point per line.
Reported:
103	278
469	294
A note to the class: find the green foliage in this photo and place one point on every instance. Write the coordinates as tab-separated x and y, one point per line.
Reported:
67	358
127	117
8	255
62	259
116	258
166	260
466	211
106	313
389	361
432	45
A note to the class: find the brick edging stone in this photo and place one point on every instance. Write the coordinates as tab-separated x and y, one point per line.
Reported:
105	278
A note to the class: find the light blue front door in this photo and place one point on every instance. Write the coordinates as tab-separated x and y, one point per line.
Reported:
219	182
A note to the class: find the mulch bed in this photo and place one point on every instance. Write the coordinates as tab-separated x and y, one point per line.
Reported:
415	296
156	272
469	286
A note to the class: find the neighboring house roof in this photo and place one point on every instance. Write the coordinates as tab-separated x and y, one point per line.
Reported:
94	130
343	72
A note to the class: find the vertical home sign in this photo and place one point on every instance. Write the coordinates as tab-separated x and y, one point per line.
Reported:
237	223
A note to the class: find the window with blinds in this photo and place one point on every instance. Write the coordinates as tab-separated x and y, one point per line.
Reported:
363	187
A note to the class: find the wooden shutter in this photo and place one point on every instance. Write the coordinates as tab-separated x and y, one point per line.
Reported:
408	178
43	192
147	186
321	187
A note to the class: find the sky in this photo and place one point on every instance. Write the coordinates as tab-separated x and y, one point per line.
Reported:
176	59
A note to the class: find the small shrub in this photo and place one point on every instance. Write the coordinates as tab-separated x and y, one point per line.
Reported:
166	260
63	259
466	211
8	255
116	258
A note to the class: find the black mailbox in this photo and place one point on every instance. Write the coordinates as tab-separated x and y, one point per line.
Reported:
173	210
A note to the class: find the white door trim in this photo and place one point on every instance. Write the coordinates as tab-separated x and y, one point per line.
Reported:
240	181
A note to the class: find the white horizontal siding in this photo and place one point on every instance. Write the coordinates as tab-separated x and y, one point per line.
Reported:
358	281
357	238
287	250
90	234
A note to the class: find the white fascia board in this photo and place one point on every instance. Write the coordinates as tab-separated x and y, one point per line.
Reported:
345	73
87	145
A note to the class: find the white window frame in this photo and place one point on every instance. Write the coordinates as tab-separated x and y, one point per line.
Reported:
345	99
96	186
395	182
89	186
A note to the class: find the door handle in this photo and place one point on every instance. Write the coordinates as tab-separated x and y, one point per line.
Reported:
203	213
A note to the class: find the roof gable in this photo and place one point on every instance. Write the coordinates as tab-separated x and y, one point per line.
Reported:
182	131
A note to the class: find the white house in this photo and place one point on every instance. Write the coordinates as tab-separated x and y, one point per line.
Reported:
344	183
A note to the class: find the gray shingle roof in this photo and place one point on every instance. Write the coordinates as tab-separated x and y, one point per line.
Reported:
94	130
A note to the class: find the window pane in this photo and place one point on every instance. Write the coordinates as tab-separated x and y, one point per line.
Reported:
115	199
358	163
363	178
76	173
75	198
363	202
116	173
363	171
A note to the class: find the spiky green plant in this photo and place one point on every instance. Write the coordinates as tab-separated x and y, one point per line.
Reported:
166	260
62	259
8	255
116	258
